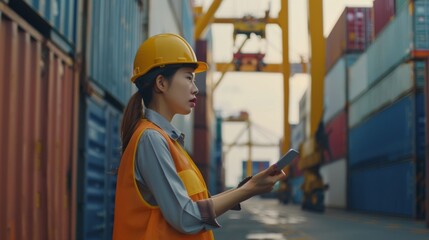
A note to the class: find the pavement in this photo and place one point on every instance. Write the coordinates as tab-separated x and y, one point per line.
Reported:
268	219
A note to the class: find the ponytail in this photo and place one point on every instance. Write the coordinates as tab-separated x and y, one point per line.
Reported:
132	114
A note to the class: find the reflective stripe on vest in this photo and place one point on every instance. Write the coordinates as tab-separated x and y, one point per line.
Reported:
137	219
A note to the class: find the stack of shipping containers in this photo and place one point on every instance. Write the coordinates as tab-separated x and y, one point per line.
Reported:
65	68
386	118
113	33
349	37
298	135
38	101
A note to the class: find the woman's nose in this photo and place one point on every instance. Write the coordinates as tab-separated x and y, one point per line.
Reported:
195	90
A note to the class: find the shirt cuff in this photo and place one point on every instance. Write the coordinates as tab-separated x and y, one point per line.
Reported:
207	212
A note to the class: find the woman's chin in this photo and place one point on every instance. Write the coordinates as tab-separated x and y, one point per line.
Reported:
185	111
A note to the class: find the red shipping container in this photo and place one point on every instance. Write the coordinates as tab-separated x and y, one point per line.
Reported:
296	172
336	129
384	10
37	97
351	33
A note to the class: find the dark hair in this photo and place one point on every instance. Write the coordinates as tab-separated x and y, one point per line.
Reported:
135	108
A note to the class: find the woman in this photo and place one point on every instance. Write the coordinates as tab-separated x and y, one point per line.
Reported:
160	192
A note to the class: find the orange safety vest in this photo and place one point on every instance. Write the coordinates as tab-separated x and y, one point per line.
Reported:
136	219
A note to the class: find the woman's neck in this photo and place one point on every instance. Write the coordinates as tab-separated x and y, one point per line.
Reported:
162	110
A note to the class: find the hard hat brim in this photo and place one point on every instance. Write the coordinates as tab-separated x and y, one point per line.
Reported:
201	67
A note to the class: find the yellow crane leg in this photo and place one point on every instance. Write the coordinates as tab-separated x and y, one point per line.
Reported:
317	71
284	25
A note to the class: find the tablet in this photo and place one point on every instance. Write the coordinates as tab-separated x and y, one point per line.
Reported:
291	155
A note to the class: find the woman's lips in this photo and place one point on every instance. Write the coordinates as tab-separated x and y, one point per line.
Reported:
193	102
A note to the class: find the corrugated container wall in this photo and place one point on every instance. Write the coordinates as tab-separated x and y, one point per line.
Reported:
115	29
384	10
37	133
335	97
379	140
297	135
296	184
169	21
336	129
405	78
351	33
400	4
335	175
406	34
188	22
101	149
61	16
358	77
384	189
216	175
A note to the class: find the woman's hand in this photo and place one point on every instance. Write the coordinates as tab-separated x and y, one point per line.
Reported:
264	181
260	183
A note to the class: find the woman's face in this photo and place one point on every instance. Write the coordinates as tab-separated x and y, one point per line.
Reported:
182	91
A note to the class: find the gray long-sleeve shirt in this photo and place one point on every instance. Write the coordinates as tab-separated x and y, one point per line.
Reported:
160	185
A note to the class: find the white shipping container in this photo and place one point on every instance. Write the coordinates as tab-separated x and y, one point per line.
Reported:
335	86
335	175
398	82
358	77
408	31
335	90
297	135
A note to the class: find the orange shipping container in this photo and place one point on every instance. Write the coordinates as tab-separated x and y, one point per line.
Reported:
38	97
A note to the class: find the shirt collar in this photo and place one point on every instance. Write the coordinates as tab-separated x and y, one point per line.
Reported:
164	124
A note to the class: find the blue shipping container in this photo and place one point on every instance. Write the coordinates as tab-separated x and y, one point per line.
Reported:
296	184
188	22
394	133
97	179
216	183
388	189
116	31
60	14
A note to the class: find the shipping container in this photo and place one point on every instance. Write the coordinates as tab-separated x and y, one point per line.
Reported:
296	171
405	78
400	4
424	137
216	175
358	77
297	135
169	21
388	189
336	129
389	135
37	133
188	25
115	31
58	15
335	86
257	166
351	33
335	176
101	149
405	37
296	184
384	11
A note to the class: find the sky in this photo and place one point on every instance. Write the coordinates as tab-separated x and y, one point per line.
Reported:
261	94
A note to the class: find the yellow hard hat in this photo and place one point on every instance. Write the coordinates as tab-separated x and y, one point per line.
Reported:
164	49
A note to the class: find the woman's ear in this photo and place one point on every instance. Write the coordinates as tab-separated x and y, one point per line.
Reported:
161	84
